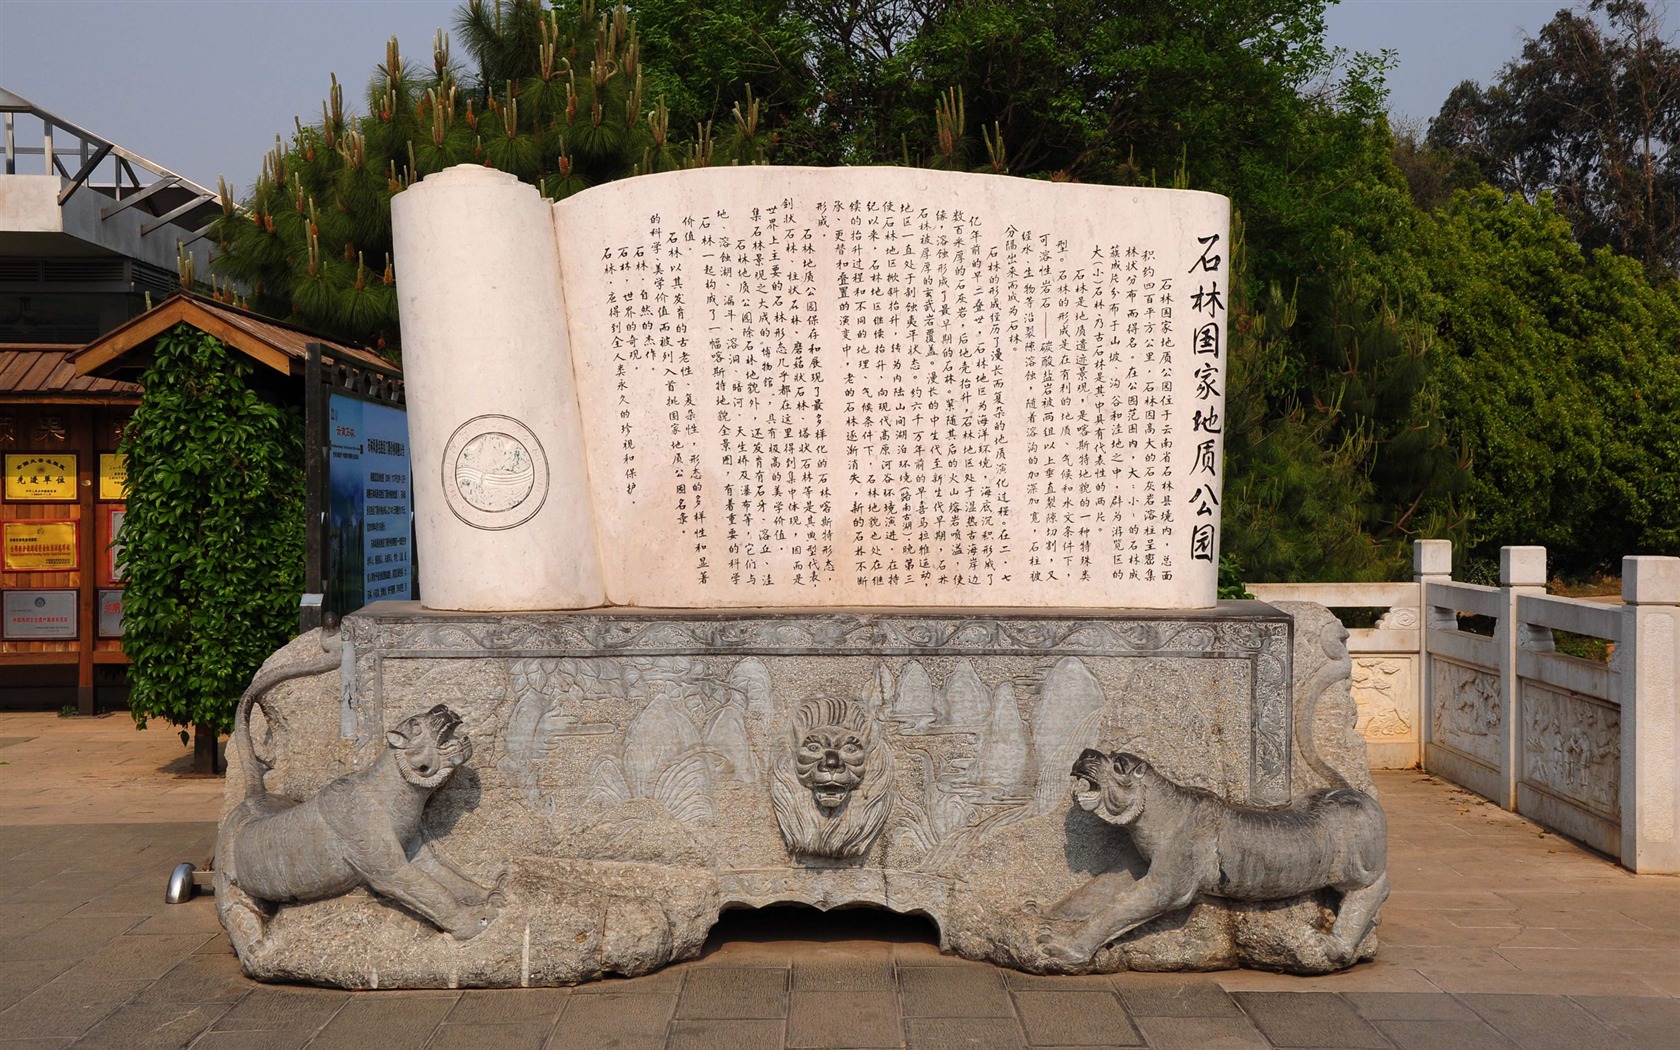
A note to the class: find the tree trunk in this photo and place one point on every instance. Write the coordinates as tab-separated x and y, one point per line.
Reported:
206	758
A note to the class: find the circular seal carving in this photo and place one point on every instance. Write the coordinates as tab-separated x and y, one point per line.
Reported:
495	472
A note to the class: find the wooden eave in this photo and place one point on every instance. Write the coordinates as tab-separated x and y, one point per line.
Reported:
42	374
274	344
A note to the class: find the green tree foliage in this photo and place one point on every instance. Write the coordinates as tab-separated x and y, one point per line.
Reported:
1292	495
213	537
1095	90
1337	448
1432	174
1590	112
1559	371
702	57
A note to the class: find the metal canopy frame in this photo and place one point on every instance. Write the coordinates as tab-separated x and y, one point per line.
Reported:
91	151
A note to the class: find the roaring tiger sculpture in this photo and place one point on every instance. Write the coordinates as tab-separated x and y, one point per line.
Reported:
1199	845
362	829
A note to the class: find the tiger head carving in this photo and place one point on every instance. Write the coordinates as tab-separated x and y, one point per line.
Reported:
1111	786
429	747
833	789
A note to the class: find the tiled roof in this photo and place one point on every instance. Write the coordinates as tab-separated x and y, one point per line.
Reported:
36	370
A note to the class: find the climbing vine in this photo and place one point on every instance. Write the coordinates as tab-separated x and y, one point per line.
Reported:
213	536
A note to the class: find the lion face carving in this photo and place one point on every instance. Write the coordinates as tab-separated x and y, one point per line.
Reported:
429	747
833	788
829	764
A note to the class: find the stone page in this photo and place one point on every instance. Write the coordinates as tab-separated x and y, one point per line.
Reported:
898	387
503	515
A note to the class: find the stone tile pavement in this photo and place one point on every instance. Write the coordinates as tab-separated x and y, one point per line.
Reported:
1497	935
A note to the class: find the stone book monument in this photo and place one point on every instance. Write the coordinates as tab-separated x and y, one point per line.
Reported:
839	537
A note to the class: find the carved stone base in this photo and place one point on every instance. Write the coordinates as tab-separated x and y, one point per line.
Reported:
634	773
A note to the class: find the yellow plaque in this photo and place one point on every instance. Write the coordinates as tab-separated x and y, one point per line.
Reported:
41	475
113	475
40	546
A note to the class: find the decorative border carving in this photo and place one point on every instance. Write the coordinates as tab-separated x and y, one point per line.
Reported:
522	509
1263	639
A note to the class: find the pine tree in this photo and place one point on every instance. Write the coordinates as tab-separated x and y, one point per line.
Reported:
557	100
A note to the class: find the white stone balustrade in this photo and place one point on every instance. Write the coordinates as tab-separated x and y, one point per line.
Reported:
1386	661
1583	747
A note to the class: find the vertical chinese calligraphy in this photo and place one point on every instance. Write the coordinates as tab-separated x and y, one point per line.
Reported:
817	387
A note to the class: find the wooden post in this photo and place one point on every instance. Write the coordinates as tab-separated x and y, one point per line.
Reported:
316	448
87	591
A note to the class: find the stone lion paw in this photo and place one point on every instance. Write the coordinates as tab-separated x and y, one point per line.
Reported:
497	896
1065	951
475	922
244	923
1339	954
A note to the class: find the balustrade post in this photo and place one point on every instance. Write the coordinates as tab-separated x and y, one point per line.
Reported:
1646	656
1431	563
1522	570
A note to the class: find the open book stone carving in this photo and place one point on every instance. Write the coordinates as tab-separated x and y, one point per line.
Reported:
814	387
717	474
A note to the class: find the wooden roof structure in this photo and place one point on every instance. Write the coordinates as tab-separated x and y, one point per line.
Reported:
125	351
44	374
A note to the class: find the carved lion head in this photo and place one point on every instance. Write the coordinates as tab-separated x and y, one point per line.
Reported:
428	747
833	790
1111	786
829	758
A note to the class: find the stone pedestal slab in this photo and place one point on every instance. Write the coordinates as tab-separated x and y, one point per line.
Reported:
632	773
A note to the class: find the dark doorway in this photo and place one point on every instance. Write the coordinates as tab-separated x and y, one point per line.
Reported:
802	923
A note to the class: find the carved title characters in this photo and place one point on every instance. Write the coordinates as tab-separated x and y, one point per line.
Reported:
833	787
362	829
1199	845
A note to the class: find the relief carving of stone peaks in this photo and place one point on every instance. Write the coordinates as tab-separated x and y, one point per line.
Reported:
690	735
960	746
995	766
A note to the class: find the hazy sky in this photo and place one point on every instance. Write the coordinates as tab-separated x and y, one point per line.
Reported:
203	86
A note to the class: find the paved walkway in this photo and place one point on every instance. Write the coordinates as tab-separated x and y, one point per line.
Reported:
1497	935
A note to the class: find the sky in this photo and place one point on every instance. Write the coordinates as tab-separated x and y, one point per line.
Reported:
202	87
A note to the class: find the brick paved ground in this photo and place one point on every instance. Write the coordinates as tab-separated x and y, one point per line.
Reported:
1497	935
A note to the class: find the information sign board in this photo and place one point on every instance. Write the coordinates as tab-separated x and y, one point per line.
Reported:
110	614
38	616
113	476
39	546
40	476
369	506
